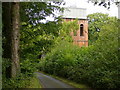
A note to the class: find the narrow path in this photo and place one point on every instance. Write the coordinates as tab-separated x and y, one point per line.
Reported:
49	82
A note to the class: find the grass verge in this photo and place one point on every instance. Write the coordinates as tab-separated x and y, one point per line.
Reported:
34	83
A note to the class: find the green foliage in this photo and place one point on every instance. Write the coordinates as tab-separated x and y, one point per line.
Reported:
36	39
28	67
65	30
34	83
40	39
68	27
96	65
5	65
24	79
33	12
62	57
20	81
96	22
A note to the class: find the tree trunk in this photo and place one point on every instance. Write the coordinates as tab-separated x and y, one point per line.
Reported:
15	67
11	36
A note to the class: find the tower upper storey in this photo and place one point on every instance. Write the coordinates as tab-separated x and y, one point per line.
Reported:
73	12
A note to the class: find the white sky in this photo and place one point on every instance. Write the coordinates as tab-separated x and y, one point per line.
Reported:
113	11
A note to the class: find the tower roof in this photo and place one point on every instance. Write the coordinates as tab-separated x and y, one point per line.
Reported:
73	12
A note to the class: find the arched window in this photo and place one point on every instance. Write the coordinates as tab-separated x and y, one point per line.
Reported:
81	29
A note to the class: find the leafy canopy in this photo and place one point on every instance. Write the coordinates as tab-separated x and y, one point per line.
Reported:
96	22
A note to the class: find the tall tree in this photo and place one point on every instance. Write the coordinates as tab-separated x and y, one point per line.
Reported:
38	36
15	35
96	22
11	36
33	12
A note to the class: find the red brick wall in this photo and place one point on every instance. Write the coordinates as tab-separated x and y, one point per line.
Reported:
80	40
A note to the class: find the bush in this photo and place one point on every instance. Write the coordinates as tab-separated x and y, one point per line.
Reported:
22	80
19	82
96	65
28	67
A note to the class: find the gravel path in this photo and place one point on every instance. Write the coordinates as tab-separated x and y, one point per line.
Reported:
49	82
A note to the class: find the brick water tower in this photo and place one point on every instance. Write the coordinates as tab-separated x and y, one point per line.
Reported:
81	36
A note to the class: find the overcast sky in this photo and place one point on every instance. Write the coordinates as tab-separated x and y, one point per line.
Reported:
113	11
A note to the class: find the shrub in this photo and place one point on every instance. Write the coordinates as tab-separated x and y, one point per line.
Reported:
22	80
96	65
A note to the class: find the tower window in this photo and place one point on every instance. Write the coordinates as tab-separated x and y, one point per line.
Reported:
81	30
